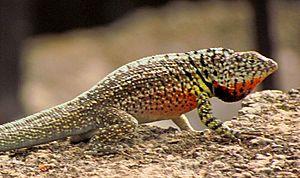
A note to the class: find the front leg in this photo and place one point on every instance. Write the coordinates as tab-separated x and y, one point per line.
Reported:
183	123
204	110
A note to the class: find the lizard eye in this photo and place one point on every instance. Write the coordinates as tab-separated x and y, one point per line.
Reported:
215	73
251	61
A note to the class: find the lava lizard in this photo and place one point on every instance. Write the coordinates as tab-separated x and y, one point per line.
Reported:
150	89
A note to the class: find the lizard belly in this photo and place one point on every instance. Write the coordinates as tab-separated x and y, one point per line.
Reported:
164	107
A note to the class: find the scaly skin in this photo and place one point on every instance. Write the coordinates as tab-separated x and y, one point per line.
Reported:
153	88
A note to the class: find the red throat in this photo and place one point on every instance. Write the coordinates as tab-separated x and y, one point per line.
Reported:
237	91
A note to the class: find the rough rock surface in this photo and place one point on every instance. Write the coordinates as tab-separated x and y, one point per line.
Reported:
270	121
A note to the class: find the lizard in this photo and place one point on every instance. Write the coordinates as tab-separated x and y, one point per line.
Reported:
159	87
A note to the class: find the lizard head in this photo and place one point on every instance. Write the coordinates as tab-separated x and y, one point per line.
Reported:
239	73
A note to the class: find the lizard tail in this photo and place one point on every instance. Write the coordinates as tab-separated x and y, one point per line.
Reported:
48	125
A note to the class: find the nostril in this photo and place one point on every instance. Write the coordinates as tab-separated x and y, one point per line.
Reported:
272	64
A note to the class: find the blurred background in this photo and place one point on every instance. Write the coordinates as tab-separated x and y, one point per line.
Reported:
51	51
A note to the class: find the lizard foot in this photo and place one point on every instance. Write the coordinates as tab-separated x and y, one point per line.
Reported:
101	149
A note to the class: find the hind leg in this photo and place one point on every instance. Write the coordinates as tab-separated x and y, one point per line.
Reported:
82	137
118	125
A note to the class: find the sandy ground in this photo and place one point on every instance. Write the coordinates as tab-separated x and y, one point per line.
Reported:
269	120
